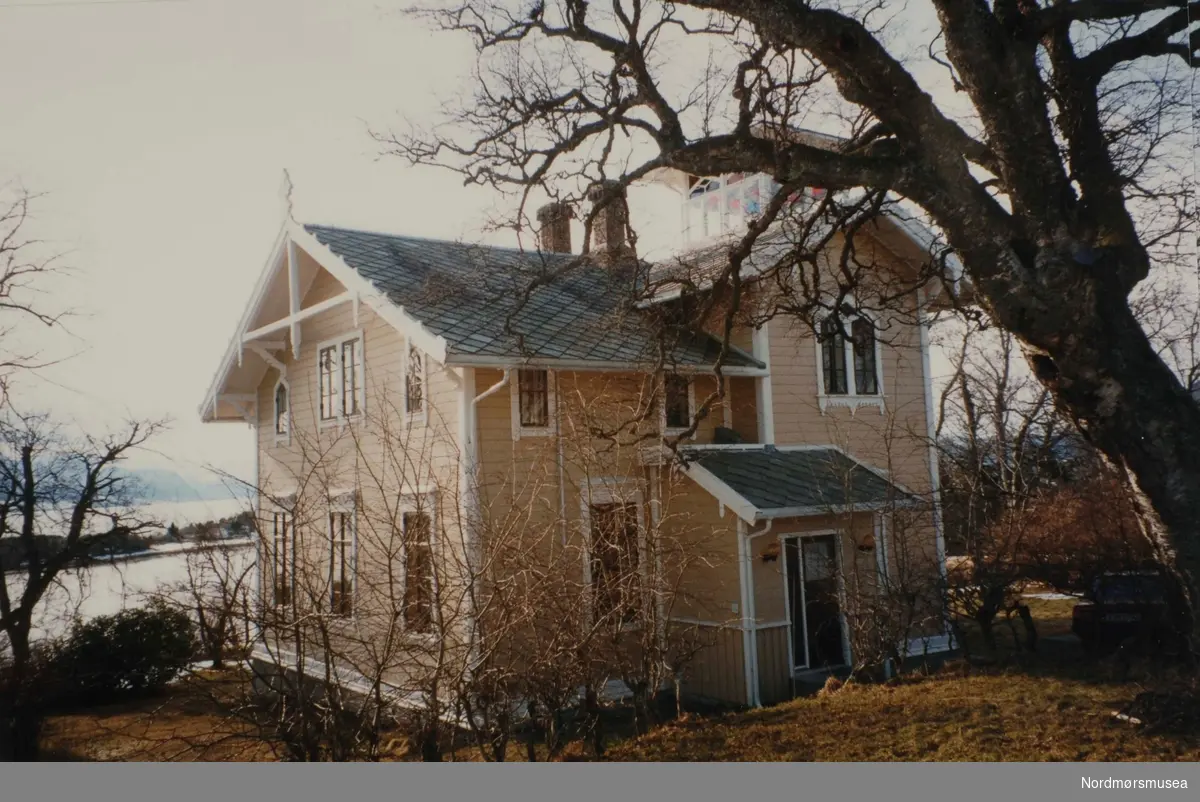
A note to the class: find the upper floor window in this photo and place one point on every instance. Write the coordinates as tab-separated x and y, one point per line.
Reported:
866	373
414	382
341	560
535	397
282	411
532	403
833	357
677	402
340	378
849	365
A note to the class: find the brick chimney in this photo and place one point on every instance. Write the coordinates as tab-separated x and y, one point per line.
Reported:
611	222
554	227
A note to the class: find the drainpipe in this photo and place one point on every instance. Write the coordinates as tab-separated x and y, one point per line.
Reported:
748	640
468	475
751	607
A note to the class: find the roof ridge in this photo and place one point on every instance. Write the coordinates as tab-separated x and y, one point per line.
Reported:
439	240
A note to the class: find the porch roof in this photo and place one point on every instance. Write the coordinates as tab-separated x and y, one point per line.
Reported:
762	482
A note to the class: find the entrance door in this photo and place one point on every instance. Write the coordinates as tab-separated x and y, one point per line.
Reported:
812	584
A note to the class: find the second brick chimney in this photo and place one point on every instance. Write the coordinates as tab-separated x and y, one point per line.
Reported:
611	221
554	227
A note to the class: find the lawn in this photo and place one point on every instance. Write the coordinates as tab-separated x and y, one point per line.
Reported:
181	724
993	715
1049	706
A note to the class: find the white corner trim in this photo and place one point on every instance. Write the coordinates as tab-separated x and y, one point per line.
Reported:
764	396
935	481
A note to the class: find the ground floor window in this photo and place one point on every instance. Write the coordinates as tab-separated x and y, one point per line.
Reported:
341	562
418	573
281	559
614	562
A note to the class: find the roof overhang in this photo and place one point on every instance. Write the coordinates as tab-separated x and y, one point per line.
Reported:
232	393
598	366
748	512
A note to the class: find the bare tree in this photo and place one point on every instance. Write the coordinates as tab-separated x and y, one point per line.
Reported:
217	593
1048	168
24	268
383	614
62	499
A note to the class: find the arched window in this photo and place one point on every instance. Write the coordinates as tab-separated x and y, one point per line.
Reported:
866	374
282	412
833	356
848	356
414	383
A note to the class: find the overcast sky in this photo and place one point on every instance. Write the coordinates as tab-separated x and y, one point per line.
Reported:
159	130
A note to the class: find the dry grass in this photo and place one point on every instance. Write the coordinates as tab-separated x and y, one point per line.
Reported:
1051	706
992	716
1048	707
182	724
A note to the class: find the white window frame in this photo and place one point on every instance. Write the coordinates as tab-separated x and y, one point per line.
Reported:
551	426
339	417
852	399
285	438
344	503
411	417
425	503
612	490
662	406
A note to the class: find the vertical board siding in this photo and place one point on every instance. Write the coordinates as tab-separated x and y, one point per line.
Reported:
774	671
718	673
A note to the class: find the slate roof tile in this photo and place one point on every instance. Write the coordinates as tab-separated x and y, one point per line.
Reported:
467	293
772	479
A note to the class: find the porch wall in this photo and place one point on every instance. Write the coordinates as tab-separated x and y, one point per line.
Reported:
774	672
718	673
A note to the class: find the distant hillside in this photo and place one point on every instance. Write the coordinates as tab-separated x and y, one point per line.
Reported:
160	484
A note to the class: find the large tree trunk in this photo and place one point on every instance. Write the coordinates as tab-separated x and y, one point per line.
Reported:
20	710
1101	367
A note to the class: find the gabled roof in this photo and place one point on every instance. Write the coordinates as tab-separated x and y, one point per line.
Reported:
762	482
477	299
462	304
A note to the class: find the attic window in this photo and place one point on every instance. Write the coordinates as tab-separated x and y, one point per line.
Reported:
340	378
282	412
414	383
